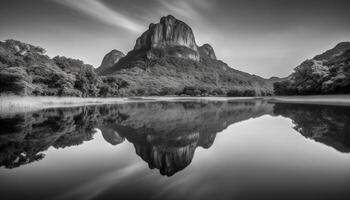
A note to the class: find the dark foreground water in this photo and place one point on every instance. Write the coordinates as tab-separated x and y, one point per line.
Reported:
177	150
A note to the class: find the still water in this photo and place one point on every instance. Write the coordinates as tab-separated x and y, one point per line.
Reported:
177	150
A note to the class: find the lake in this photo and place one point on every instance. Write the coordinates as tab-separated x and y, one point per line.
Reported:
248	149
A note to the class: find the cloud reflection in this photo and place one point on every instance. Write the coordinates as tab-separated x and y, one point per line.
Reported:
100	184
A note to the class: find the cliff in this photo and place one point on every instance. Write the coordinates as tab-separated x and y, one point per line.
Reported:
168	34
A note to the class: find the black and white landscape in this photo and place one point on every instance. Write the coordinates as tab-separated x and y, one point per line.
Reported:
174	99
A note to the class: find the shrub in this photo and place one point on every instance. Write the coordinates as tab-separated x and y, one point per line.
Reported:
194	91
285	88
217	92
234	93
167	91
14	80
12	83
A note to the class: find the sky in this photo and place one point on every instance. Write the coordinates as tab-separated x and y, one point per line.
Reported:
262	37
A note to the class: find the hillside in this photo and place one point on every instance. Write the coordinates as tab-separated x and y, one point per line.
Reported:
26	70
327	73
166	60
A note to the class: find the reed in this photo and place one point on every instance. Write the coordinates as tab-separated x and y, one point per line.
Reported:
14	104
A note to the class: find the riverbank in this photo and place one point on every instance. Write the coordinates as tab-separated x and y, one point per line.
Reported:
15	104
339	100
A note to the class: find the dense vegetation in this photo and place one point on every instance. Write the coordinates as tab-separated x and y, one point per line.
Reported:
328	73
26	70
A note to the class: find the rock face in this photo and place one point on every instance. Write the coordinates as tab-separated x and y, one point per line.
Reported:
327	73
109	60
169	34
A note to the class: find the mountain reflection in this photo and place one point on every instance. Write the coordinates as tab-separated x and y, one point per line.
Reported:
164	134
326	124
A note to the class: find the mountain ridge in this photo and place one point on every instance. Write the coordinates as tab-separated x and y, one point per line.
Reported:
326	73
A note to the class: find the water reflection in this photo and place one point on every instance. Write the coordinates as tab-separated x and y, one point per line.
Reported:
164	134
326	124
25	137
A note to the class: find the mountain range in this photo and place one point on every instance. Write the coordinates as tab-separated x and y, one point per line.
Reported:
165	60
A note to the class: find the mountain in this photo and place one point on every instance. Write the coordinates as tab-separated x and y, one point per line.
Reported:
109	60
327	73
166	60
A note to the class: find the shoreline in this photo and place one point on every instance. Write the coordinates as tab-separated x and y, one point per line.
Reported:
18	104
334	100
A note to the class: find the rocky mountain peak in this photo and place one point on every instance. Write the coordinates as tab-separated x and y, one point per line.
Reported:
109	60
207	50
169	34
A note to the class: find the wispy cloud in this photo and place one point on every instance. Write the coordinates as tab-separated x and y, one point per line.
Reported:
184	8
100	11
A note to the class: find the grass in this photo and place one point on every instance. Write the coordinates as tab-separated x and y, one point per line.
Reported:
14	104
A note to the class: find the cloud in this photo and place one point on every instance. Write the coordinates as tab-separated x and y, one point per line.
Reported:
184	8
100	11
